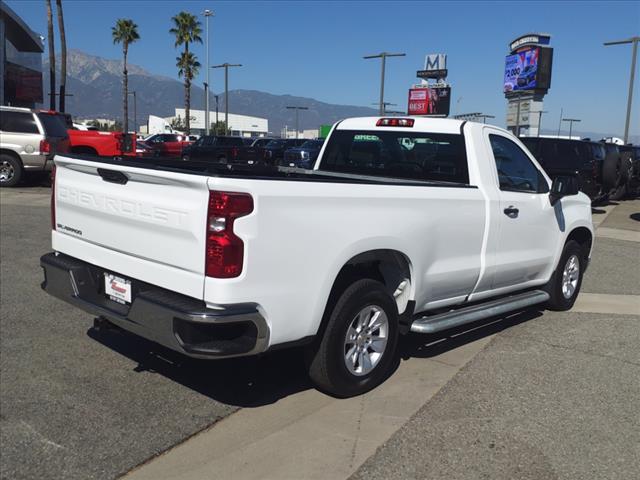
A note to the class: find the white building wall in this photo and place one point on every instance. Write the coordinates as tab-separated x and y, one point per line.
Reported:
242	124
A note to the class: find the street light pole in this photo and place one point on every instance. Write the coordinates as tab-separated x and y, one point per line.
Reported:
634	53
383	56
385	105
216	97
135	111
226	66
297	109
540	120
484	117
207	13
571	122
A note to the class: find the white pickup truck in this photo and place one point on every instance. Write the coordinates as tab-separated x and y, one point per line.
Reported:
405	224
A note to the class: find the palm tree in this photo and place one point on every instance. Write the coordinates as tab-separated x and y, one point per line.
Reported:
125	32
187	29
63	56
52	59
188	67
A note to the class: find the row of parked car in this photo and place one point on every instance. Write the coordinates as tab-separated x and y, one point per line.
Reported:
606	171
31	138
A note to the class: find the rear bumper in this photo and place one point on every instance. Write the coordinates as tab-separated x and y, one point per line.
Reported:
176	321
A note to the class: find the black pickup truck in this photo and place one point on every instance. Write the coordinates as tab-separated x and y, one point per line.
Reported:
220	149
589	160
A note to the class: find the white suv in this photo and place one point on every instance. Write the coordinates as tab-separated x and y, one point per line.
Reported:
28	142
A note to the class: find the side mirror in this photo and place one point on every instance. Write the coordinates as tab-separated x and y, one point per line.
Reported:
563	186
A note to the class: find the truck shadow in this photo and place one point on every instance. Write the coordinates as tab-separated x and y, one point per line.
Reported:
262	380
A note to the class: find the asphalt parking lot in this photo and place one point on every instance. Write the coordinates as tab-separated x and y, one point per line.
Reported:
550	396
77	404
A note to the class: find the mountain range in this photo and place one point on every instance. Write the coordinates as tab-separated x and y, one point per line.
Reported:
96	86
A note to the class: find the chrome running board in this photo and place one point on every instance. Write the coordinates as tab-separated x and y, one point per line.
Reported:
480	311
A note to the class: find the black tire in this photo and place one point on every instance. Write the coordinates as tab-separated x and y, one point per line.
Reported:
326	357
559	301
611	170
11	170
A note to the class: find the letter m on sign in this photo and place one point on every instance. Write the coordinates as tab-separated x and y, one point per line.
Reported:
436	61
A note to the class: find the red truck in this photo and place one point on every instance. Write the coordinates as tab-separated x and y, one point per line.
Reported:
94	142
166	145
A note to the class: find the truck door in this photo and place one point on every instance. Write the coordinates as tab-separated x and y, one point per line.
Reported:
528	227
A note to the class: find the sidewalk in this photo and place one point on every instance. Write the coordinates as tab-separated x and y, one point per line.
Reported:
556	397
515	380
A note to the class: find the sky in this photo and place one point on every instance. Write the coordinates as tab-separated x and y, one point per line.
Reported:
315	49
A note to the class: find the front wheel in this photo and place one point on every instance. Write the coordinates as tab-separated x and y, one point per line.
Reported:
357	350
564	285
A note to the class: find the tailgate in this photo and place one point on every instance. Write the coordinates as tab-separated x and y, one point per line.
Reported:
151	226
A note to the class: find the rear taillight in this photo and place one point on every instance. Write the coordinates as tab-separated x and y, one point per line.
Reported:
234	152
395	122
53	197
225	251
45	146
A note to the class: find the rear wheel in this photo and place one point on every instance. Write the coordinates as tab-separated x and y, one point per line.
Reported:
357	350
10	170
564	285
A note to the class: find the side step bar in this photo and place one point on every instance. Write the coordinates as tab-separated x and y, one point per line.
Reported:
481	311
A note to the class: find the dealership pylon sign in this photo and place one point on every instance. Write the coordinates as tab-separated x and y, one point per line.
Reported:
431	98
527	78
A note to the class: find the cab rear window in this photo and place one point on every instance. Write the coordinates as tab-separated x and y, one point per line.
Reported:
53	125
415	156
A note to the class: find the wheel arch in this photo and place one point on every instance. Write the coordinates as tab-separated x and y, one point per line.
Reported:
390	267
584	237
11	153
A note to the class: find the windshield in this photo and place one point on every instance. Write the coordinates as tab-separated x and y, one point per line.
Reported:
312	144
275	143
53	125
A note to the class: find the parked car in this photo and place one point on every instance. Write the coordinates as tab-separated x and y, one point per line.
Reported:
386	236
221	149
273	152
304	156
586	159
91	141
630	155
165	145
28	142
617	170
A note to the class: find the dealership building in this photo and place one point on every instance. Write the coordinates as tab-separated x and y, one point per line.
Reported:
20	61
240	125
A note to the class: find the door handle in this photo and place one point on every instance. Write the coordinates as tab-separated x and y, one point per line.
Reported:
511	212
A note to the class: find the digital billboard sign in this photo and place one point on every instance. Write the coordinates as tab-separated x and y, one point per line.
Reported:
528	70
520	70
429	101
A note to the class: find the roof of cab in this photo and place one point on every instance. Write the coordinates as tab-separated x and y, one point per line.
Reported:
421	124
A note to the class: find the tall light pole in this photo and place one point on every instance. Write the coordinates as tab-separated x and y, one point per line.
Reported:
135	111
484	117
383	56
297	109
385	105
226	90
634	53
207	124
571	122
540	120
216	97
